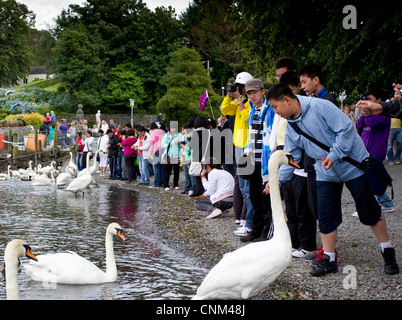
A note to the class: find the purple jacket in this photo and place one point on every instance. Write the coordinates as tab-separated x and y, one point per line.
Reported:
375	131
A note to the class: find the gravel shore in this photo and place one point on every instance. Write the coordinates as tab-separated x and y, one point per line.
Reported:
185	228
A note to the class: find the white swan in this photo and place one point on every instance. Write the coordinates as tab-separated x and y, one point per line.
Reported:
91	168
26	171
14	250
63	178
80	183
43	180
5	176
48	168
71	165
244	272
70	268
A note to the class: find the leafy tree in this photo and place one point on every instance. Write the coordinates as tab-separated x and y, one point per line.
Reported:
186	80
15	55
123	85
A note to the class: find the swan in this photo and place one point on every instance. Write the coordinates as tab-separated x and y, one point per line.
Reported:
244	272
43	180
5	176
80	183
63	178
71	165
48	168
70	268
92	168
27	171
14	250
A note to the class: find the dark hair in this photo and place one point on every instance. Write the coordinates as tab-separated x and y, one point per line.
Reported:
312	71
153	126
109	131
130	132
290	78
286	62
79	134
214	164
89	132
211	122
128	125
191	121
200	122
278	91
100	131
140	128
375	92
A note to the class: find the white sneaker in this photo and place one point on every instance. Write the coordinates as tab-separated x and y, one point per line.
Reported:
214	213
167	189
177	188
389	209
242	231
355	214
300	253
237	221
242	223
190	193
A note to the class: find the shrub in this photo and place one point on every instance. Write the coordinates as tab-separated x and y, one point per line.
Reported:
14	120
33	119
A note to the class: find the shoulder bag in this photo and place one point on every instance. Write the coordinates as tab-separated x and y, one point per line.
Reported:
196	166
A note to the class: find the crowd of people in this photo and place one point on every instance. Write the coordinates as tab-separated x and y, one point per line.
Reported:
253	124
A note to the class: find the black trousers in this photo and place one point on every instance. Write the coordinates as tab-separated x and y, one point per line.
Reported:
300	218
262	220
130	169
168	171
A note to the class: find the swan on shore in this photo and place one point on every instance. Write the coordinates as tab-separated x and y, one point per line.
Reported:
246	271
70	268
15	249
82	182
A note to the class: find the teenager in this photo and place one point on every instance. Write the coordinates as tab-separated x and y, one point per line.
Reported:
142	147
323	121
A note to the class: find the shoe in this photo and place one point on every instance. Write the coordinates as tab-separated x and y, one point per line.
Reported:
129	181
177	188
226	211
320	255
242	231
391	163
152	187
390	267
300	253
190	192
389	209
355	214
313	255
397	162
324	266
183	192
214	213
167	189
242	223
248	238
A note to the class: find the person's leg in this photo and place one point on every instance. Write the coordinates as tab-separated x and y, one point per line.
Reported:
176	172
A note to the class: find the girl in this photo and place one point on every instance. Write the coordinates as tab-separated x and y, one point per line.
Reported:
80	151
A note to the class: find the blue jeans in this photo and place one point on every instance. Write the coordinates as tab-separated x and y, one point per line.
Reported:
143	163
62	138
190	181
159	171
244	186
79	161
394	134
385	200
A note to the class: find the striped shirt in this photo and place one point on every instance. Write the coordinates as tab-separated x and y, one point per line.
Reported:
254	130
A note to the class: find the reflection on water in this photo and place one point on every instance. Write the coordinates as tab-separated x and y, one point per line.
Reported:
53	220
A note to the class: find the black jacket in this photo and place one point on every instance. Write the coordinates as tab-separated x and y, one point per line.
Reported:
392	109
113	146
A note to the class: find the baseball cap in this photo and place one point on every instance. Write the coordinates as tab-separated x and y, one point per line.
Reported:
243	77
254	85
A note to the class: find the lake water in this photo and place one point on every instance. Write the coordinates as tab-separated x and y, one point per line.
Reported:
53	220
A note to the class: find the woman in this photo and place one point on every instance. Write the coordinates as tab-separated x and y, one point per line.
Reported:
52	129
80	151
154	153
142	147
129	155
72	131
171	145
88	141
190	181
219	187
103	154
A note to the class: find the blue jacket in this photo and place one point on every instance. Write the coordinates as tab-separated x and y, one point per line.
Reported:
322	120
266	132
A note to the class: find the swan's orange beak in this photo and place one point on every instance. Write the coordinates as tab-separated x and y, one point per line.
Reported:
292	162
29	254
121	235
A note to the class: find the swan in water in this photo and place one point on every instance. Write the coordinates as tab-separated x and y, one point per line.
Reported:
244	272
64	177
70	268
27	171
14	250
43	180
71	165
91	168
5	176
43	170
80	183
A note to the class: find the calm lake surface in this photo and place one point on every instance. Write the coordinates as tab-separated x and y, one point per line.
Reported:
53	220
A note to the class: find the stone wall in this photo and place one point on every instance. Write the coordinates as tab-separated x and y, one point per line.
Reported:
142	119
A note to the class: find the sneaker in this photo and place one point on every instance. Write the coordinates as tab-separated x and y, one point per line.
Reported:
324	266
389	209
177	188
355	214
242	231
226	211
167	189
391	163
237	221
190	192
152	186
397	162
300	253
214	213
242	223
320	255
313	255
390	267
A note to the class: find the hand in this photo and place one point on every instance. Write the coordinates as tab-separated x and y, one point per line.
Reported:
266	189
326	163
369	107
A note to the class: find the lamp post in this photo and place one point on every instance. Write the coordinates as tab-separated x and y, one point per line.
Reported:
132	106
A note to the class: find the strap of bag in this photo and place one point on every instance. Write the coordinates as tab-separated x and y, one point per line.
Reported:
361	165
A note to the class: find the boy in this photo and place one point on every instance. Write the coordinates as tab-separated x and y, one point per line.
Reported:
323	121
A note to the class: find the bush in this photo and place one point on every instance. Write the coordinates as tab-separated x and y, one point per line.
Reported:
14	120
33	119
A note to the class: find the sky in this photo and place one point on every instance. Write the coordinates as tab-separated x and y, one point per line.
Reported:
47	10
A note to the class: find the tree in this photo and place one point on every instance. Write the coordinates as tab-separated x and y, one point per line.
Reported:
186	80
15	55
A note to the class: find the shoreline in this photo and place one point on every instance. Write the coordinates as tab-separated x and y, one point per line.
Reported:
360	275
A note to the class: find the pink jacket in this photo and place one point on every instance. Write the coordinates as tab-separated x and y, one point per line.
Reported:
156	140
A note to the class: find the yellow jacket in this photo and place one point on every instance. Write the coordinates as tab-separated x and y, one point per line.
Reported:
230	108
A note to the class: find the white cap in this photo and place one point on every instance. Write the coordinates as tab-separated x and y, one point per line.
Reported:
243	77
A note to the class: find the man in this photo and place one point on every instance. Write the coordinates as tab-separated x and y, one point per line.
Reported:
113	147
312	80
323	121
63	133
258	143
283	65
235	104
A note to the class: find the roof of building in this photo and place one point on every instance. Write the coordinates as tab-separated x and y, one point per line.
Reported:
38	70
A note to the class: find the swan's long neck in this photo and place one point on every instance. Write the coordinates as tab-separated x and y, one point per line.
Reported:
11	262
280	226
111	269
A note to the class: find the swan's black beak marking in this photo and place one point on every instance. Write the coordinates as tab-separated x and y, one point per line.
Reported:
121	234
292	162
29	253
